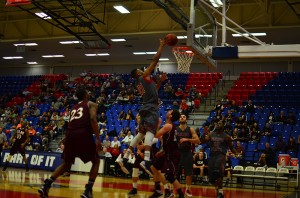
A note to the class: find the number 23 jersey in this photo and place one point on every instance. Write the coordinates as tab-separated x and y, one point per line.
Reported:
80	118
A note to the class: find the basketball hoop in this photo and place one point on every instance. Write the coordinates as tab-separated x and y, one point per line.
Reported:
184	57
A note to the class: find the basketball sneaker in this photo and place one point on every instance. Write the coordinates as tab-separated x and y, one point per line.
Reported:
146	166
88	193
220	195
132	192
44	189
188	193
156	194
168	194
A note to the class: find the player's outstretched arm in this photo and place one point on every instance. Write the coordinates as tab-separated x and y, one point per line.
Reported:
156	58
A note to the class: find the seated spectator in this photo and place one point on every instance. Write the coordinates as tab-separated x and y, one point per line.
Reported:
200	166
60	148
229	117
103	131
244	136
175	105
129	115
106	153
234	107
45	135
240	150
267	130
60	125
179	93
254	135
122	115
218	106
271	118
128	138
102	120
115	142
268	157
228	169
31	131
235	134
184	108
290	119
250	107
105	141
218	117
280	145
291	145
281	118
225	101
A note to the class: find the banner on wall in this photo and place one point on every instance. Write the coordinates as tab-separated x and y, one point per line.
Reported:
36	160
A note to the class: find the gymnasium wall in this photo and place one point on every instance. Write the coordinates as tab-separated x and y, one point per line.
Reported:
235	68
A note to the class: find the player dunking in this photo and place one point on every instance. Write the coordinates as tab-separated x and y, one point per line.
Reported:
171	152
19	139
79	142
149	109
219	143
187	136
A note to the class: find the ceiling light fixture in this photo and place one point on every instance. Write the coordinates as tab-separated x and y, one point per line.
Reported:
250	34
25	44
121	9
118	40
32	63
42	15
12	57
53	56
69	42
216	3
164	59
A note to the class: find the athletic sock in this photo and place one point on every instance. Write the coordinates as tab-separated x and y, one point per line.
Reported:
147	155
220	191
134	184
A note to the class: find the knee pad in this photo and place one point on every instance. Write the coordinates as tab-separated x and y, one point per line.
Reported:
135	172
170	178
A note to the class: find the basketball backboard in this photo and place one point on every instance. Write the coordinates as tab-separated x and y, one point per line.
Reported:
201	34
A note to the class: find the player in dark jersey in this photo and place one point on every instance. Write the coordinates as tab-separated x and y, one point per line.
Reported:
19	139
219	143
149	109
171	152
79	142
188	137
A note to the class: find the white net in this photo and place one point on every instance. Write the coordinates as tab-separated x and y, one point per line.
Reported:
184	57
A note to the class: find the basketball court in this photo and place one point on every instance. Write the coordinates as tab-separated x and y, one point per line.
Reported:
17	183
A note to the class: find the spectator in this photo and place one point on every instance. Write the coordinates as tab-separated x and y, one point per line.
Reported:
240	150
267	130
291	145
105	141
281	118
115	143
225	101
45	135
254	135
179	93
103	131
31	131
129	115
250	107
218	106
228	169
268	157
234	107
200	166
235	134
60	125
102	120
244	136
175	105
280	145
128	138
290	119
271	118
36	112
122	115
184	108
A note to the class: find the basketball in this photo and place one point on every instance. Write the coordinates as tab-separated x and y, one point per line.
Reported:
171	39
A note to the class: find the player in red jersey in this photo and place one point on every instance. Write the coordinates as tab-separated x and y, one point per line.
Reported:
79	142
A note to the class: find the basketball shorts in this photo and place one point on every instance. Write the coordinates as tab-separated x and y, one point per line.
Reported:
17	148
216	167
186	161
149	119
80	144
158	162
170	165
